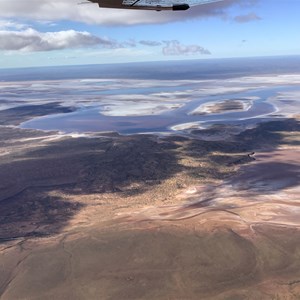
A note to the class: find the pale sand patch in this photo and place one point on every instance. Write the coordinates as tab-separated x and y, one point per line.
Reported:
287	103
188	126
138	108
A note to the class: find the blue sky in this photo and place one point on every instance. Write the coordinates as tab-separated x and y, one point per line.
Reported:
64	33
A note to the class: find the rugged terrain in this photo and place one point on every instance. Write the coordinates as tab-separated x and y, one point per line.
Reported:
146	217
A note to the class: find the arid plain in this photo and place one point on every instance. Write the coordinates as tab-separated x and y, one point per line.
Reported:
202	213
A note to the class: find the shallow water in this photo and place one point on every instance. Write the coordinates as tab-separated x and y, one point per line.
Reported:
90	118
139	98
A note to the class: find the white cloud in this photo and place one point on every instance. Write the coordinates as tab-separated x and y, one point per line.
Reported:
30	40
129	43
70	10
247	18
8	24
150	43
176	48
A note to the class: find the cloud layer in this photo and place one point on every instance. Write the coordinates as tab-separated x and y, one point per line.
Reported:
30	40
90	13
176	48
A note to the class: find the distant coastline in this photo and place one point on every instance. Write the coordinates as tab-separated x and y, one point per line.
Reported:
221	68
